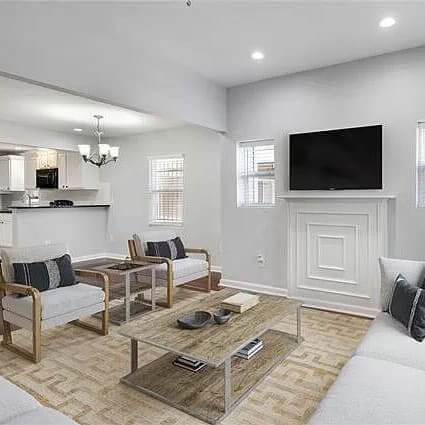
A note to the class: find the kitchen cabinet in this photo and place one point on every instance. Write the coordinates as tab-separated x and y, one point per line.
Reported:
75	174
47	159
6	230
31	165
12	173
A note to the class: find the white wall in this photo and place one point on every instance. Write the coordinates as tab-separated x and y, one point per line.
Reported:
20	134
55	44
389	89
202	186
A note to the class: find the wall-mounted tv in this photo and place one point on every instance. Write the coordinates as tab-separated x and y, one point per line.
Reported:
349	158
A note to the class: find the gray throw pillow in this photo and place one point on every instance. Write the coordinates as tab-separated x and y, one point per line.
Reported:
413	271
407	305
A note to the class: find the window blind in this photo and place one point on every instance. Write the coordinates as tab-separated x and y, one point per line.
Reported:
166	190
256	173
420	166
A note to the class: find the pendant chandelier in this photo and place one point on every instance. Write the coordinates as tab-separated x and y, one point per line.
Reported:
105	154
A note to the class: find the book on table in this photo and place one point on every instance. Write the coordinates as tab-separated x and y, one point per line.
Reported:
188	363
240	302
250	349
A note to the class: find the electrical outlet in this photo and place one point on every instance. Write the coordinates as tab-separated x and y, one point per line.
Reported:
260	260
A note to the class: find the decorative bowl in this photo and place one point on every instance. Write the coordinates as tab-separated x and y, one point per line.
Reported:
194	320
222	315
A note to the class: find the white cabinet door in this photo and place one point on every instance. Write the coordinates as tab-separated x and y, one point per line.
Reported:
62	171
17	173
75	174
31	163
90	175
74	168
4	173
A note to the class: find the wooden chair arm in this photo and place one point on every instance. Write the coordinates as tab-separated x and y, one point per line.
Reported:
94	274
200	251
153	260
18	288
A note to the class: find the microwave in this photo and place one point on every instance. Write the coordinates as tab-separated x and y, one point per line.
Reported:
47	178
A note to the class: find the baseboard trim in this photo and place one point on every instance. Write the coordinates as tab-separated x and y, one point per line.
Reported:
255	287
100	255
320	305
370	313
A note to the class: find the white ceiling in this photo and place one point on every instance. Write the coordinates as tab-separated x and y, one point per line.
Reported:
216	38
42	107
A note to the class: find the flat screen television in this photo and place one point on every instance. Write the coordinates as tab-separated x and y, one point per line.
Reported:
349	158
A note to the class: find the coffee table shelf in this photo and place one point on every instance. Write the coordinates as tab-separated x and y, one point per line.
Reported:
201	394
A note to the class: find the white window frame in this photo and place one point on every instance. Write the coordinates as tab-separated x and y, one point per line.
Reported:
239	198
153	220
420	164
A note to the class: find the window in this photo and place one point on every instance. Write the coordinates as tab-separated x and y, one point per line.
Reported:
420	166
256	173
166	190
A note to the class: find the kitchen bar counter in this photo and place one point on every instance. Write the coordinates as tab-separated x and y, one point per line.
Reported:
37	207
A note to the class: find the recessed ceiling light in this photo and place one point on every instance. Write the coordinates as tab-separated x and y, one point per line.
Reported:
257	55
387	22
78	130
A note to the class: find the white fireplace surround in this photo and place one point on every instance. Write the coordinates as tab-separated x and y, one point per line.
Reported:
334	242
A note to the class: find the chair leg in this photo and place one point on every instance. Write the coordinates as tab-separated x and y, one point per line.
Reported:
35	354
36	341
209	281
7	333
170	294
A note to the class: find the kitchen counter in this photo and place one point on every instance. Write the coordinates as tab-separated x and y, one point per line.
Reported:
37	207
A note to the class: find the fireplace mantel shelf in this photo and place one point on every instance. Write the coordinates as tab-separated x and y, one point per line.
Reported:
334	195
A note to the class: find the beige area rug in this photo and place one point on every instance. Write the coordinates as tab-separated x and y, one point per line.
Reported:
80	371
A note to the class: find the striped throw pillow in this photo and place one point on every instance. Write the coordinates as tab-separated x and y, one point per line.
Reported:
172	249
407	305
44	275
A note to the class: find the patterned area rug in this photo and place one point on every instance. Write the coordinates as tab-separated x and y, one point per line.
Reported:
80	371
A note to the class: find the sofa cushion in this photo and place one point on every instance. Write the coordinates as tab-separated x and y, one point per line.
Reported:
44	275
28	255
41	416
14	401
387	339
56	302
181	268
413	271
371	391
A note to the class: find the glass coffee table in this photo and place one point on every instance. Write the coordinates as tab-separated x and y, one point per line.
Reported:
130	310
213	392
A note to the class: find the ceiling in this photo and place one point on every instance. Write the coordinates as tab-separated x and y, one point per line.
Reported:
42	107
216	38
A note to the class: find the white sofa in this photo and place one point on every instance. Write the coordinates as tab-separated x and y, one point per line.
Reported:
19	408
383	383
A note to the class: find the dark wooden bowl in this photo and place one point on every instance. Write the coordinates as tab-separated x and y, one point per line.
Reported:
222	315
194	320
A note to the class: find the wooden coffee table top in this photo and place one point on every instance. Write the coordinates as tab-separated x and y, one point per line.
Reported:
213	343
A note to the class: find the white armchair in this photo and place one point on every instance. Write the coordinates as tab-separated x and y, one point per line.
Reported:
26	307
168	272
